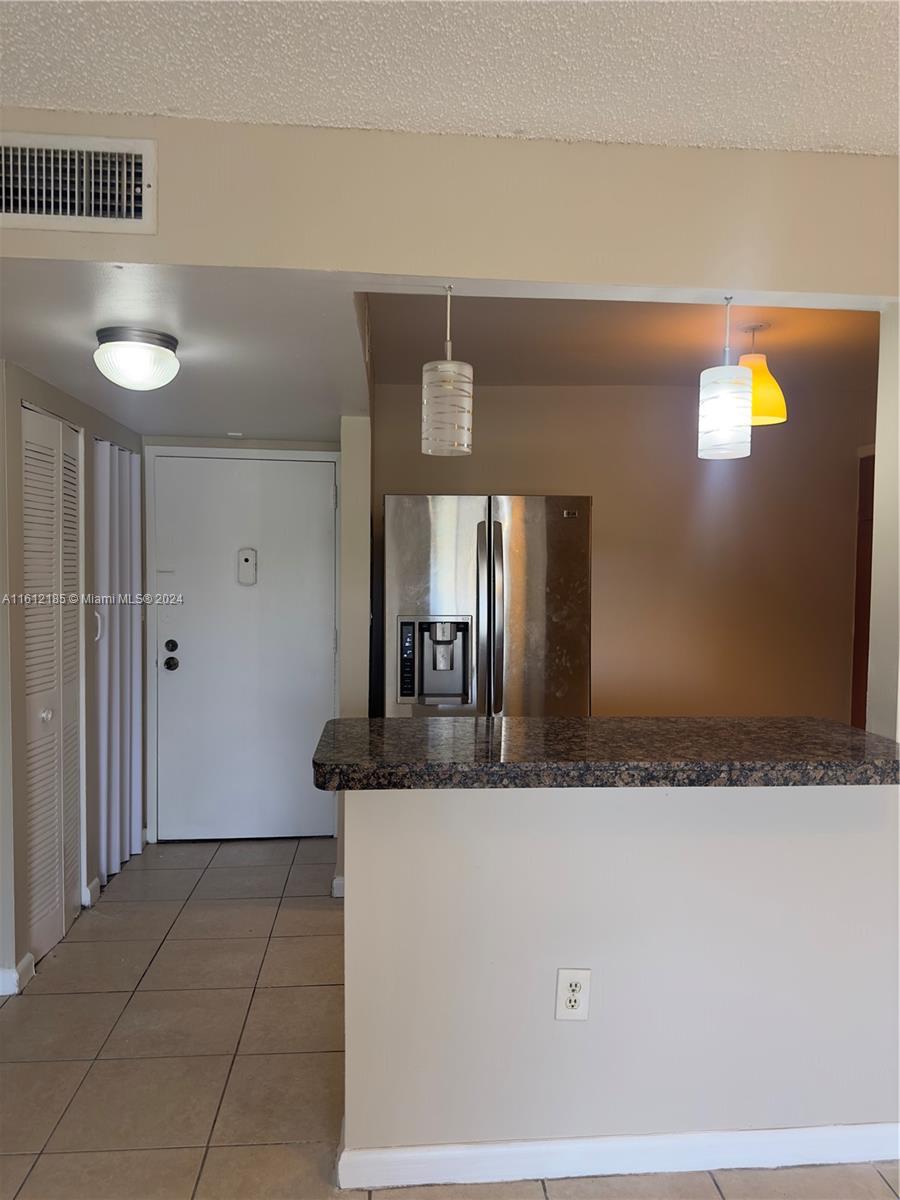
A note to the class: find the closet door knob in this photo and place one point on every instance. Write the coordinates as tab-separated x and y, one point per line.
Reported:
46	715
171	663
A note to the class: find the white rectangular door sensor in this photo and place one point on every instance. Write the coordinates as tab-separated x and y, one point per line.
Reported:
246	566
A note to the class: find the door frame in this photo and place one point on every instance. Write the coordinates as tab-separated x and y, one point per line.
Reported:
151	454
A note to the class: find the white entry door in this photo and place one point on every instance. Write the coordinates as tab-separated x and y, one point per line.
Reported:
246	663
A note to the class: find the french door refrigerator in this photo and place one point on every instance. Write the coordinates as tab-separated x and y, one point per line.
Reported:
487	605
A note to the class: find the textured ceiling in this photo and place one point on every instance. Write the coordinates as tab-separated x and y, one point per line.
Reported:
516	342
759	74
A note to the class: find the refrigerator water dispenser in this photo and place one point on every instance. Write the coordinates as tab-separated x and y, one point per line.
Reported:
434	653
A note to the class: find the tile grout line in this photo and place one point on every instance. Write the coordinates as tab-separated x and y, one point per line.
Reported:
96	1057
21	1062
237	1043
133	991
232	987
712	1176
154	1149
243	937
544	1189
885	1178
149	965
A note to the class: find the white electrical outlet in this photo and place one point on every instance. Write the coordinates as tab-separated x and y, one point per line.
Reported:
573	994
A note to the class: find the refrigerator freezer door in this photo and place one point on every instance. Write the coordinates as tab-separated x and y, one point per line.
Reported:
542	594
435	566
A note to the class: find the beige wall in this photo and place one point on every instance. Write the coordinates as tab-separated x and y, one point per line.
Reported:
7	857
883	707
718	587
744	967
355	538
19	387
356	200
355	597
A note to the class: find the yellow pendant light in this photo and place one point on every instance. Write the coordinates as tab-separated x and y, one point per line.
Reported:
769	407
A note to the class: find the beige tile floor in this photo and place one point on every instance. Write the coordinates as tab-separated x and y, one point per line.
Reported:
185	1043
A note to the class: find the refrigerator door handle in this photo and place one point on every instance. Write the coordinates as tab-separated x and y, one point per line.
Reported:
497	688
481	620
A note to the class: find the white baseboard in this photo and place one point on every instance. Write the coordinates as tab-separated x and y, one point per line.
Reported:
337	887
490	1162
13	979
91	894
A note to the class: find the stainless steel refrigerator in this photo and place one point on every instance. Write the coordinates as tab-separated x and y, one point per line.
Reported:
487	604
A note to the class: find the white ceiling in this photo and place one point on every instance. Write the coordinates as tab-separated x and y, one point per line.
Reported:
266	353
817	75
279	354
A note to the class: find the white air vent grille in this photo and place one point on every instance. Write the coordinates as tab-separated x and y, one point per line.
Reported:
70	182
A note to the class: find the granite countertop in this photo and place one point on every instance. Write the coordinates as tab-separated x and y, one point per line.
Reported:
355	754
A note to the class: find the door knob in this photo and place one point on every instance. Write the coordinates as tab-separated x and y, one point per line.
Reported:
171	663
171	645
46	715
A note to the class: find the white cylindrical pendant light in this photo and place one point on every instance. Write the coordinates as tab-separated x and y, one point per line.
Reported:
726	405
447	392
447	396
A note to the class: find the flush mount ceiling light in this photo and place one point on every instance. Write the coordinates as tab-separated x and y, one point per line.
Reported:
136	358
447	394
725	405
769	407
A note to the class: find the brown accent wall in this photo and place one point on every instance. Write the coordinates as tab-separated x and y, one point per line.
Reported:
718	587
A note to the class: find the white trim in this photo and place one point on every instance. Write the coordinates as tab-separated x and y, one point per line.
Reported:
91	894
14	979
337	887
7	705
151	454
367	282
559	1158
82	681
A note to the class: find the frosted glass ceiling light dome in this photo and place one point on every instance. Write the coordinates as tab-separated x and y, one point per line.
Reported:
447	398
725	405
136	358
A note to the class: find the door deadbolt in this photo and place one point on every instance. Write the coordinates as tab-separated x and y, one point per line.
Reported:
171	645
171	663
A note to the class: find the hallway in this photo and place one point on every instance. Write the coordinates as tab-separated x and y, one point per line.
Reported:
193	1018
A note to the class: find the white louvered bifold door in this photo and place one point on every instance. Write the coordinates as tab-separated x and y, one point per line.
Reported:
43	661
51	548
71	673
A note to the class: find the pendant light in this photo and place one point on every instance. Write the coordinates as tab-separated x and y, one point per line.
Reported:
447	391
725	405
769	407
136	358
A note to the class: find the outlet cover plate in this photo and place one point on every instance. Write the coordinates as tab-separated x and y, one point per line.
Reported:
573	993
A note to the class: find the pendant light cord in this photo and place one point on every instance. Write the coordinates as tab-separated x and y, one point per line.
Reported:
448	345
727	356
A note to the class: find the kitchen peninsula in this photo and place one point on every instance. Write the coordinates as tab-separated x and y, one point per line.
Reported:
730	884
